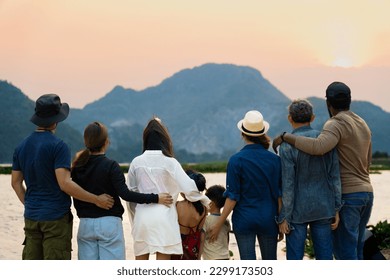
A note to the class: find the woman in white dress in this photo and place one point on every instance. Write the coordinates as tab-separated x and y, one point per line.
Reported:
155	228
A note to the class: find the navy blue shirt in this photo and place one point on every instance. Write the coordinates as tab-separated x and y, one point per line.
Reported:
37	157
253	180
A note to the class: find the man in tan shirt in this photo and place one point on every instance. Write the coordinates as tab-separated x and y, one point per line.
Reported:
351	136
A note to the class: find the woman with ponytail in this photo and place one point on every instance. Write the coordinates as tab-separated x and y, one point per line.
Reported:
100	234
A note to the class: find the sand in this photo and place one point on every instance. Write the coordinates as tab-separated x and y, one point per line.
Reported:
11	217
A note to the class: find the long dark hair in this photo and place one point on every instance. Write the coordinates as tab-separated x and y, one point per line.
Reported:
200	182
156	137
95	137
263	140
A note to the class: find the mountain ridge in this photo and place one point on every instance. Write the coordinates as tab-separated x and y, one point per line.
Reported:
200	106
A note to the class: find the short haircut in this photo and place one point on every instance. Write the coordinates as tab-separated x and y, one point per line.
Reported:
301	111
215	194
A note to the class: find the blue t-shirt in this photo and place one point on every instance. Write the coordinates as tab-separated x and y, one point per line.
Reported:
253	180
37	157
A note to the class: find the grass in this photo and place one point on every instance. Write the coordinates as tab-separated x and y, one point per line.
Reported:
378	164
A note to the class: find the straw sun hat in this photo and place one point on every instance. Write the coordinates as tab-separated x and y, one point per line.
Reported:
253	124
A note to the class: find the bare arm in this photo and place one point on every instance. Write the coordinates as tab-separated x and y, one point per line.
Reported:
71	188
280	204
227	209
17	179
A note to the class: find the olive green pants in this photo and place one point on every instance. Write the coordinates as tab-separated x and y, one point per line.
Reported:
48	240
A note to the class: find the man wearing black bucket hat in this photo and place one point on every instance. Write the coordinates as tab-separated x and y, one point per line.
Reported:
42	161
351	136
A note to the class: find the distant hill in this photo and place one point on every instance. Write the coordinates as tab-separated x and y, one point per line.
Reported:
16	110
200	106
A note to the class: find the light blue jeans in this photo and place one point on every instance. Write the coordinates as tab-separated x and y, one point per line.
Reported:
246	243
101	239
321	235
348	238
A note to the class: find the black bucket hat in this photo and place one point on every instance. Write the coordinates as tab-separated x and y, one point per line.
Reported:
49	110
339	95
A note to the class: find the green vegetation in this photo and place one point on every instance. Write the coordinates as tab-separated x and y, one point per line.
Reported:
378	164
209	167
381	232
5	169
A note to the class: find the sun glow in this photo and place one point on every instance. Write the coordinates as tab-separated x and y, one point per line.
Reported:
343	62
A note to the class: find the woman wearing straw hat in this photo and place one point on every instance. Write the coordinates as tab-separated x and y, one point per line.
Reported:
253	192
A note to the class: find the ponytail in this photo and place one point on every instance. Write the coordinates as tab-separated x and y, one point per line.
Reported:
81	158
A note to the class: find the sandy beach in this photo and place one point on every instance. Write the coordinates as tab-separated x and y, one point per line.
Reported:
11	217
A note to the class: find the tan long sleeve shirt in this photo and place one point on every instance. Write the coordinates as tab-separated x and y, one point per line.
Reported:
351	136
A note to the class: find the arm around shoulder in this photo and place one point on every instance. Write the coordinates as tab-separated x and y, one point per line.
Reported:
325	142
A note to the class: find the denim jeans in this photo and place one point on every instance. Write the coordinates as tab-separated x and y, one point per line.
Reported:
348	238
246	243
321	235
101	239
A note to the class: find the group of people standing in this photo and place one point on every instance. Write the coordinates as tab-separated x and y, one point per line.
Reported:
320	180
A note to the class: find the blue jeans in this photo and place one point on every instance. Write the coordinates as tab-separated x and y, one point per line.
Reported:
321	235
348	238
246	243
101	239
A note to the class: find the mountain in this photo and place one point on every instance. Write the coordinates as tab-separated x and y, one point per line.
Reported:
16	110
200	106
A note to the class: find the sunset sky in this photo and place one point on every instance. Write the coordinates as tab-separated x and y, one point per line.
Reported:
82	49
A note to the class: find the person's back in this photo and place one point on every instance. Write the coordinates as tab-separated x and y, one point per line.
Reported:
191	217
253	182
257	171
311	190
154	172
349	133
97	176
219	248
37	157
354	150
314	178
100	234
155	227
42	161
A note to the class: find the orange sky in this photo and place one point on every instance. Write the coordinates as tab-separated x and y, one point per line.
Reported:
82	49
